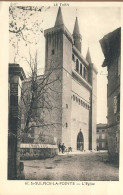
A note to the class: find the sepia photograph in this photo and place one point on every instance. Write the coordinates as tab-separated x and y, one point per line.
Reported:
64	93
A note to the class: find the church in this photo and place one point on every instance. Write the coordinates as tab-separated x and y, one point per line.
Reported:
74	94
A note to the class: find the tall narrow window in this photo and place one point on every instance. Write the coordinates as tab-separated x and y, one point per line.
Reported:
85	72
81	102
81	69
118	102
119	65
77	65
103	135
53	51
73	57
73	97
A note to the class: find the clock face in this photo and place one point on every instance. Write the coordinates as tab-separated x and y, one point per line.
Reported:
115	104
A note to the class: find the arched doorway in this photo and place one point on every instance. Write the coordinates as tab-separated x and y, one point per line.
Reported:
80	141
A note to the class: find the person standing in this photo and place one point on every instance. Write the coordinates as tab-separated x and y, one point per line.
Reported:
63	148
59	146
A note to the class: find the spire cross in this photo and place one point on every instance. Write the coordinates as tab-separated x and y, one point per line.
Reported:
76	12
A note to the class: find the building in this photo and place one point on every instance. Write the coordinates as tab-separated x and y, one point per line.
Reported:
102	137
74	94
111	47
16	76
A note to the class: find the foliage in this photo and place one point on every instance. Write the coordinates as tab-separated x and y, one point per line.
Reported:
25	27
25	20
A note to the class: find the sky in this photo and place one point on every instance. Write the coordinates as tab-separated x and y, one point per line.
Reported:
94	23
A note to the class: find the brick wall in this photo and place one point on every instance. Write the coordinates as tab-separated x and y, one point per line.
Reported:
80	114
66	91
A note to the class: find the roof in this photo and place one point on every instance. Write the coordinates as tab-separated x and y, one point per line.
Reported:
15	69
59	18
88	56
76	27
111	46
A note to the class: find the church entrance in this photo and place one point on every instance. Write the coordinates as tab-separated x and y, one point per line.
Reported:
80	141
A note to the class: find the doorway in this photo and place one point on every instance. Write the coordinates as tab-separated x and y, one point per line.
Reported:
80	141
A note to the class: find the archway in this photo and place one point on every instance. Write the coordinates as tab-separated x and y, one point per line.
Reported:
80	141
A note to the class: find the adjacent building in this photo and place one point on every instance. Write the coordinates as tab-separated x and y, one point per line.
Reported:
102	143
16	76
111	47
73	97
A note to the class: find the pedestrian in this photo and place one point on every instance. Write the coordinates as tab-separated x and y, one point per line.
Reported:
97	148
59	146
21	170
63	148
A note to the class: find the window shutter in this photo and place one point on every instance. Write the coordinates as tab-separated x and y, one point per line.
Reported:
115	104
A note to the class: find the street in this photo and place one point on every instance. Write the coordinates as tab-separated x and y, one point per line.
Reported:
81	166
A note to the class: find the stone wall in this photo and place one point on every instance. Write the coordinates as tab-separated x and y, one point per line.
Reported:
113	103
111	47
37	154
113	89
113	142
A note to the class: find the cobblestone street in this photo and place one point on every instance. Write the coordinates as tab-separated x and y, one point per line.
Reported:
88	166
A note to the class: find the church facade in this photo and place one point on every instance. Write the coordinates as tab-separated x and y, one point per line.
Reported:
77	97
74	94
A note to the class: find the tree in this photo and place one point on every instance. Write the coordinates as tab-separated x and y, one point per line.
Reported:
21	20
25	27
38	96
24	23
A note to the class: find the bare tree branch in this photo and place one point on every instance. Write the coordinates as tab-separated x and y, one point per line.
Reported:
40	96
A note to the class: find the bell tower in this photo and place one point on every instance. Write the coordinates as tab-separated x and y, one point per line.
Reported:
58	56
